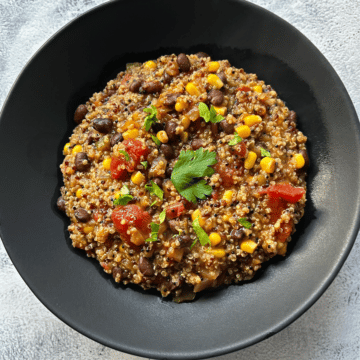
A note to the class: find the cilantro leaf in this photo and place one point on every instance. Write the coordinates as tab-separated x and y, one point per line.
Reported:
154	189
235	140
144	164
265	153
151	118
191	166
154	232
209	115
162	216
156	140
154	203
246	224
200	233
123	199
127	157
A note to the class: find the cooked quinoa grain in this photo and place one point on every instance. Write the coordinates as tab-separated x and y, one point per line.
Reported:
183	174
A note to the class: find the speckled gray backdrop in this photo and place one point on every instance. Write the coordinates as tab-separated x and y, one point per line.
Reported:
329	330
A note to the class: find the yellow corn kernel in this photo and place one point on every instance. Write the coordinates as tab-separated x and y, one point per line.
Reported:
251	120
220	110
281	248
250	160
106	163
131	134
76	149
218	253
162	136
184	136
117	194
181	104
79	193
258	89
185	122
137	178
299	161
215	239
192	89
228	196
66	149
213	66
248	246
150	65
244	131
197	214
268	164
88	229
215	81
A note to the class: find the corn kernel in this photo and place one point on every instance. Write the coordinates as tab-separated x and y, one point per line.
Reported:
299	161
250	160
268	164
106	163
251	120
150	65
281	248
88	229
79	193
181	105
197	214
218	253
66	149
185	122
258	89
162	136
244	131
131	134
76	149
117	194
228	196
215	81
213	66
220	110
215	239
248	246
137	178
192	89
184	136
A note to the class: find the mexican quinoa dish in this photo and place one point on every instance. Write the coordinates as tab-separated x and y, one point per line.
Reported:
184	174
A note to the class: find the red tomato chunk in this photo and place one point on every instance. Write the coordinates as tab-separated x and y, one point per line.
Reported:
175	211
285	191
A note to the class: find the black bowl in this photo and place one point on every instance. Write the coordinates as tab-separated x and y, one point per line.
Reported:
37	120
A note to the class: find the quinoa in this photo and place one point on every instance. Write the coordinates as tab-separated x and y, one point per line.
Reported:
247	216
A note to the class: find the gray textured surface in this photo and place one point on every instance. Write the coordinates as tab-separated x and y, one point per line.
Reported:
329	330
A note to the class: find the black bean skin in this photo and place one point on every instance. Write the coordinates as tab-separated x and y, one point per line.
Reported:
183	62
214	129
237	234
80	113
145	267
292	117
185	241
170	100
135	86
152	87
202	54
82	215
216	97
117	271
173	224
167	78
167	150
61	204
222	77
170	129
227	128
116	138
158	181
197	144
82	161
169	171
102	125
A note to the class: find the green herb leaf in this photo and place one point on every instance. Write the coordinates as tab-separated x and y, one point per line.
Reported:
246	224
235	140
265	153
127	157
144	164
154	232
200	233
123	199
191	166
156	140
154	189
151	118
154	203
209	115
162	216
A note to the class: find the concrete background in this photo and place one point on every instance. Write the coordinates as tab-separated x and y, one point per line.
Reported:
329	330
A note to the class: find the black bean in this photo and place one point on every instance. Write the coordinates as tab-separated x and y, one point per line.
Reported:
116	138
306	158
166	78
82	161
222	77
156	127
173	225
102	125
135	85
111	92
292	117
170	100
197	144
82	215
237	234
185	240
61	203
145	267
167	151
202	54
152	87
80	113
169	171
228	128
214	129
158	181
216	97
183	62
117	272
170	129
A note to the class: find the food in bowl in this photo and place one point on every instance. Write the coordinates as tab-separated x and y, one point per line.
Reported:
184	174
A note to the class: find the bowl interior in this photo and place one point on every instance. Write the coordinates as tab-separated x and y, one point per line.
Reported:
37	120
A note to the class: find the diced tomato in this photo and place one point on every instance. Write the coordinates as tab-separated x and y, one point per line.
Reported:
243	88
125	217
227	172
126	78
175	211
286	232
117	167
96	216
136	149
241	149
284	191
215	195
277	205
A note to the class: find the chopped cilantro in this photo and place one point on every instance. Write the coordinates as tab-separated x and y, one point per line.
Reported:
235	140
156	140
209	115
246	224
154	189
154	203
151	118
191	166
154	232
162	216
265	153
127	157
202	236
123	199
144	164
